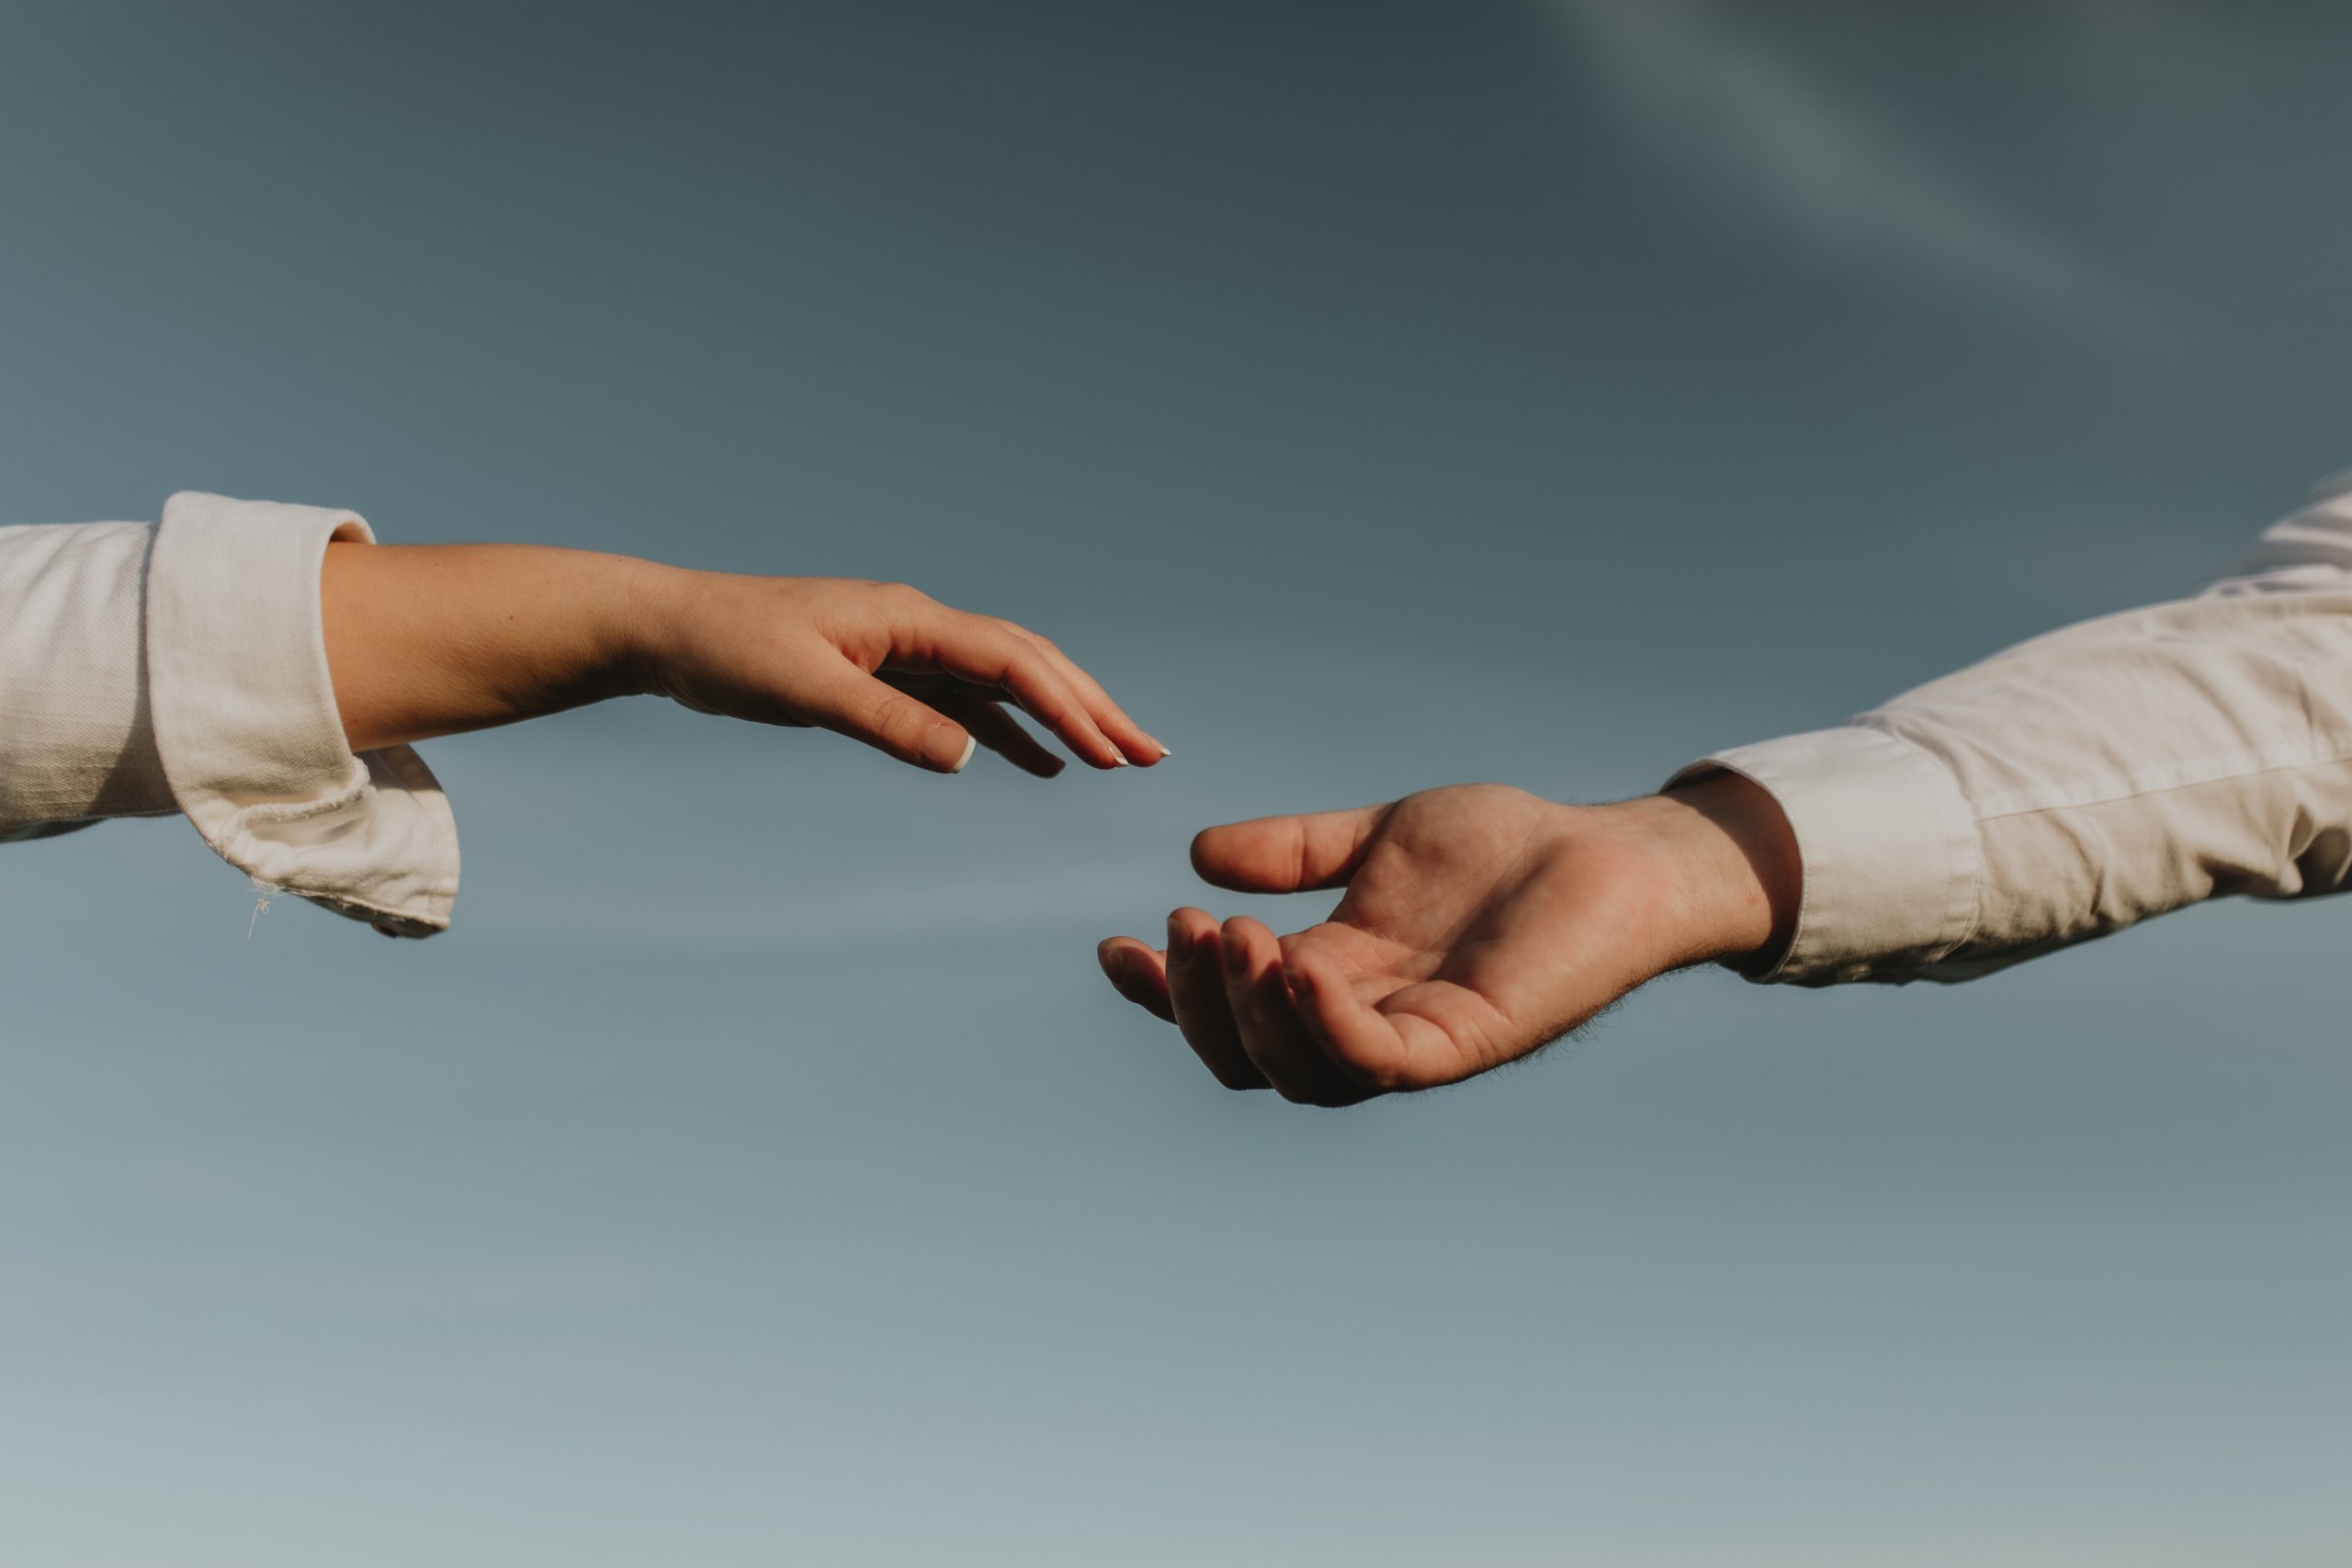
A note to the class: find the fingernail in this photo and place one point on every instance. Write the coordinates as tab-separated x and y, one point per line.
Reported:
942	748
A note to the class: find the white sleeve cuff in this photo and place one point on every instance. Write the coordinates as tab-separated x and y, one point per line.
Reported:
246	725
1889	847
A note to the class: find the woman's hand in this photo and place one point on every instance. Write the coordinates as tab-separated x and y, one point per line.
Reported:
1479	924
879	662
428	639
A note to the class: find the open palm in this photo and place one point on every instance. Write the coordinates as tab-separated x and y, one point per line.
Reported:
1478	923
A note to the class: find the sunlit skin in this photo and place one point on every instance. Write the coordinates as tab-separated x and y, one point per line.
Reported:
1478	923
429	640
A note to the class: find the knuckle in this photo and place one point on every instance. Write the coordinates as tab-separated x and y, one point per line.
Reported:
1026	674
1036	640
899	723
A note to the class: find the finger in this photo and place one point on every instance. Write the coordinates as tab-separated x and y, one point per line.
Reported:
1355	1037
1196	992
1270	1030
1131	738
1452	1031
975	649
1139	973
858	705
1002	733
1287	854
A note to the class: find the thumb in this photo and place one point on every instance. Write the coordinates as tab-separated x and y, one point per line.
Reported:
1287	854
888	720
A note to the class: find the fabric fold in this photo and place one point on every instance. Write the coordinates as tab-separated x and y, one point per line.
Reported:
1889	847
246	725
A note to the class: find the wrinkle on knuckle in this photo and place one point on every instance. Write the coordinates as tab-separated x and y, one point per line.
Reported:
909	725
872	711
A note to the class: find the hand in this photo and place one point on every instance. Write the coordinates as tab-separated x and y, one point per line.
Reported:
428	639
1478	924
879	662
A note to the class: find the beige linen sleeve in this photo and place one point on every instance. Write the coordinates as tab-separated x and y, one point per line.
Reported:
180	667
2086	780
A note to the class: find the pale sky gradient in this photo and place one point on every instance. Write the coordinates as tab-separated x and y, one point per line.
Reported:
1376	395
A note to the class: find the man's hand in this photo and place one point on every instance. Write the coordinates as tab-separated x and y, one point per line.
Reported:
1479	923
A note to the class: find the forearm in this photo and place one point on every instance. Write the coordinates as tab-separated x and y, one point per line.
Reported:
178	665
76	742
2085	781
432	639
2141	764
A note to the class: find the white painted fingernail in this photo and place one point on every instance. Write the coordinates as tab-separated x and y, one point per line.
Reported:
971	744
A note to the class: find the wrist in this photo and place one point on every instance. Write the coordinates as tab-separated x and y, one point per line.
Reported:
648	613
1728	867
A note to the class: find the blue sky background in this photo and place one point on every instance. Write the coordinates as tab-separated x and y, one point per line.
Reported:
1376	395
